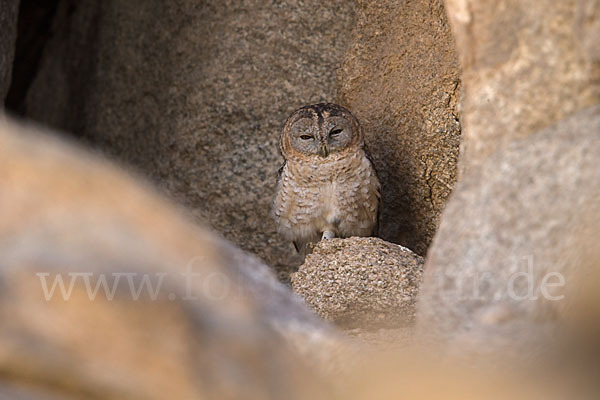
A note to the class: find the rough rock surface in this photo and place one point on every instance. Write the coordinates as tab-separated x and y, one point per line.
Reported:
515	221
8	32
360	282
218	326
526	65
194	94
401	79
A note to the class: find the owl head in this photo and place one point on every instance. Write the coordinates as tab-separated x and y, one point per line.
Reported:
320	130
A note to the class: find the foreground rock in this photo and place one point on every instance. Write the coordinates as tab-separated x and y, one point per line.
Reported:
510	246
511	240
360	282
401	79
181	313
526	65
8	35
193	94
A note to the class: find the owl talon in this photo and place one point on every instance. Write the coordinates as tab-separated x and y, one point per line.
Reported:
327	235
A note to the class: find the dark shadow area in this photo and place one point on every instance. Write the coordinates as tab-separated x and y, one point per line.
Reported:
56	63
33	32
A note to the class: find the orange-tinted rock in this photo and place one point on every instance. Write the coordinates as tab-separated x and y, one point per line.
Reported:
401	79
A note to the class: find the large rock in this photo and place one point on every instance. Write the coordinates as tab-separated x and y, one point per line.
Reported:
531	181
8	34
526	65
513	227
193	94
360	282
401	79
182	314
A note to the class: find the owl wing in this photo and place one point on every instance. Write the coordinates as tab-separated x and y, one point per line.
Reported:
376	227
280	171
368	155
297	245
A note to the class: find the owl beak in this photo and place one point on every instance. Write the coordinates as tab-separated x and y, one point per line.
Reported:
324	151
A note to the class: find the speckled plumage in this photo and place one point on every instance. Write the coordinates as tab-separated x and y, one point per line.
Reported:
329	185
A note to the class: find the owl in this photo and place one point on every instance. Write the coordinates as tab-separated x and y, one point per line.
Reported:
327	185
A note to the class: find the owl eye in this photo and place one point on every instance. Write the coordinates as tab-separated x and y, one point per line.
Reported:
335	131
306	137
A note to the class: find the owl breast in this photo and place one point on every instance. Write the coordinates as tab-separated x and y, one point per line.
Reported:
339	194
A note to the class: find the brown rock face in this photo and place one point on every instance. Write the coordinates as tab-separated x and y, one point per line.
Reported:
360	282
150	306
532	142
194	94
401	79
8	32
526	65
